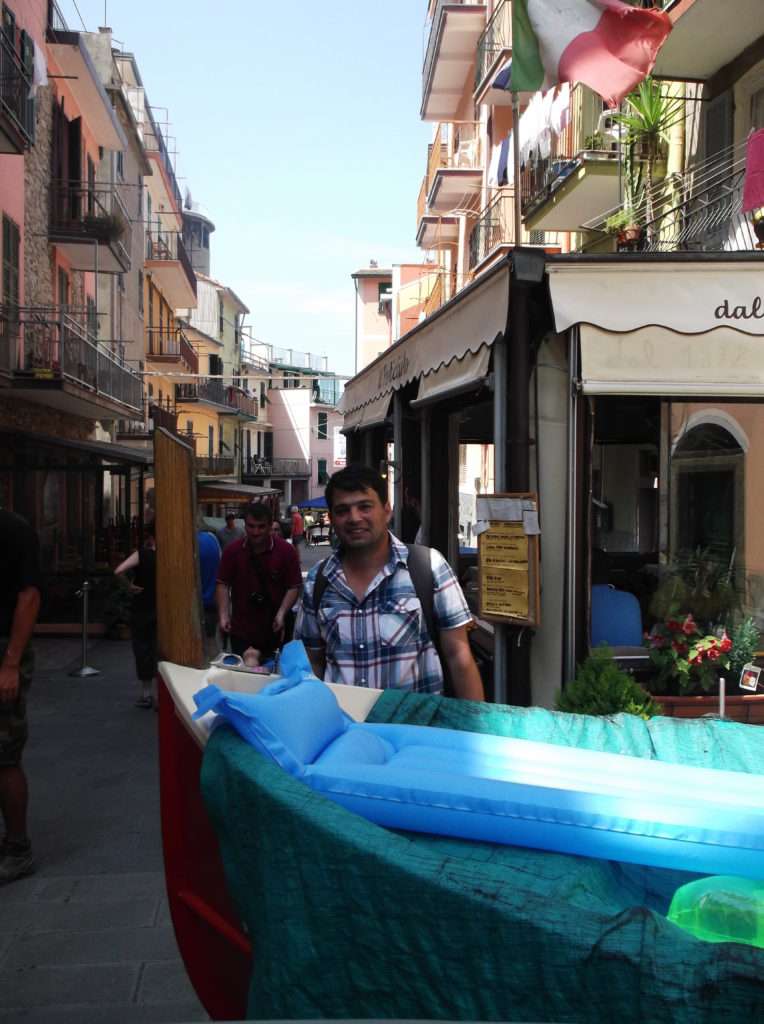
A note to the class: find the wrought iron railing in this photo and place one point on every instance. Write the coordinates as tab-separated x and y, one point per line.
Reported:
581	138
494	227
215	465
158	416
256	466
168	245
91	212
171	344
495	40
15	87
218	393
50	343
290	467
697	211
154	142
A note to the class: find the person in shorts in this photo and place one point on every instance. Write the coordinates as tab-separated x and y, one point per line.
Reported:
20	585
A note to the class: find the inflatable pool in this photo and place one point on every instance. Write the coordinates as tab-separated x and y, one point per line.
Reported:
509	791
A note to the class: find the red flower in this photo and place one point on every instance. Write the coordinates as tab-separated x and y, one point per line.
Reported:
673	625
714	653
725	643
689	626
680	647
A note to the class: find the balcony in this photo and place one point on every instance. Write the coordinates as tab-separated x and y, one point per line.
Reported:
454	167
215	465
495	228
143	430
255	469
17	110
493	49
283	469
170	345
89	224
170	267
74	63
701	44
228	400
326	391
698	211
296	360
580	177
156	149
434	232
50	355
449	59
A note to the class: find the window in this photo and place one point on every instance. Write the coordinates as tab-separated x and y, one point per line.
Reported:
151	391
210	441
140	292
120	165
323	476
190	428
11	246
92	317
323	424
757	109
216	366
140	195
63	289
121	282
221	315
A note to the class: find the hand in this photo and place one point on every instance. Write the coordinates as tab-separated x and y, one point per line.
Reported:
134	589
225	624
278	622
9	684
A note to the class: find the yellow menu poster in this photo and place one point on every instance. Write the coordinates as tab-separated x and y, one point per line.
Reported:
507	559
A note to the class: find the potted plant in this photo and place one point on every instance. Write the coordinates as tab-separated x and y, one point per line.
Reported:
690	663
624	225
106	227
646	122
602	688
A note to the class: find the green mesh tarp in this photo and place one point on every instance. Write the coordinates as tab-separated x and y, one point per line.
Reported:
349	920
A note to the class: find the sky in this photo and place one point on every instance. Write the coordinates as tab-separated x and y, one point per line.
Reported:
297	130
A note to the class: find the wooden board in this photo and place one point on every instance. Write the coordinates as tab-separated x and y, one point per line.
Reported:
180	634
508	563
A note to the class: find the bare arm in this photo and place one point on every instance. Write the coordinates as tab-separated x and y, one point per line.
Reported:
288	602
131	562
464	672
24	618
223	602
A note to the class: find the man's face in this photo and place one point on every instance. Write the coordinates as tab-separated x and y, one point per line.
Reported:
359	518
258	531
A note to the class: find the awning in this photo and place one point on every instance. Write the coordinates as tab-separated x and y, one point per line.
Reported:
657	361
460	375
233	492
468	323
689	296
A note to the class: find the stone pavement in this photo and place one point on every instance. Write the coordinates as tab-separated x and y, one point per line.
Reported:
88	938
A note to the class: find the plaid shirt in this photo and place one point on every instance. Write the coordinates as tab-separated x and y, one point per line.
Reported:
381	641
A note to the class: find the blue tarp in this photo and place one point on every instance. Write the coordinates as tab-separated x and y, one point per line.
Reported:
314	503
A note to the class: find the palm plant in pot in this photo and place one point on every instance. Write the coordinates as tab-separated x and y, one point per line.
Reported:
646	122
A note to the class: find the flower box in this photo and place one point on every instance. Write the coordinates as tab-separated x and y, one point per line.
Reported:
746	708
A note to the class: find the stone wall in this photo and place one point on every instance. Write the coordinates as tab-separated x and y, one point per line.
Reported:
38	267
35	418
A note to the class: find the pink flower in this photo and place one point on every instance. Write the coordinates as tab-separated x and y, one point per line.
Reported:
689	626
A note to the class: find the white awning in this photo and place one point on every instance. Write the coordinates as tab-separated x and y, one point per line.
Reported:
471	323
691	298
460	375
369	415
657	361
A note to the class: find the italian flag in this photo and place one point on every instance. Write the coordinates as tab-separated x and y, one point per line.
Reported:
608	45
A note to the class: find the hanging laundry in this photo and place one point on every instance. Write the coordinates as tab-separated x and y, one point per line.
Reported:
39	72
505	175
753	186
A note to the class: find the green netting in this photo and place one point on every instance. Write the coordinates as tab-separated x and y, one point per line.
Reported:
349	920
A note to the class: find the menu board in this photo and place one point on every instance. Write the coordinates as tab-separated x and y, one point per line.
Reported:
508	558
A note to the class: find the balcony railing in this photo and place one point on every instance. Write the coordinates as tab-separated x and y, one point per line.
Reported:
494	227
168	245
457	144
88	212
158	416
698	211
290	467
495	40
55	18
291	357
49	343
436	297
215	465
170	345
153	140
581	137
15	86
218	393
256	467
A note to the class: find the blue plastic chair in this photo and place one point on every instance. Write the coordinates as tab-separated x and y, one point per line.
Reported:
616	617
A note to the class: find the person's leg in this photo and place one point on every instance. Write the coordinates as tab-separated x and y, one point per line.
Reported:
14	800
145	660
15	849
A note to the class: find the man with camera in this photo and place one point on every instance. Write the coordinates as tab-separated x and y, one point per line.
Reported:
259	581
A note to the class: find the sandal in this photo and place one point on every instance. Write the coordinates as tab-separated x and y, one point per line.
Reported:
144	702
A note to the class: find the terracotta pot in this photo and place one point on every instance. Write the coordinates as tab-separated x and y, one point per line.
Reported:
747	708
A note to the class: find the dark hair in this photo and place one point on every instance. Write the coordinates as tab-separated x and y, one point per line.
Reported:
260	511
230	515
355	477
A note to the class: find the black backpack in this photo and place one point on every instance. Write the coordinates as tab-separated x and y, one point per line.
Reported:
420	570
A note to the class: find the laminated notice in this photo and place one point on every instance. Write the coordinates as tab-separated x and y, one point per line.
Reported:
504	591
499	509
504	544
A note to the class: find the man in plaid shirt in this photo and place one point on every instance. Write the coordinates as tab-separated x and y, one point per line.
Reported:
369	629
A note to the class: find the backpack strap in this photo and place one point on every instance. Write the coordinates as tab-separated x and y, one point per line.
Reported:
319	586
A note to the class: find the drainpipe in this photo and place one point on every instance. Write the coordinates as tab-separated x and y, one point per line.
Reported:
355	344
